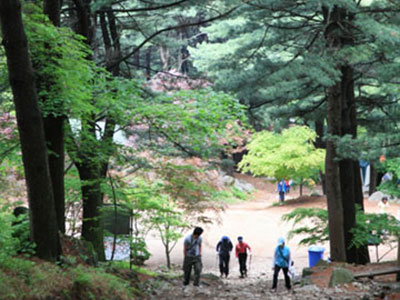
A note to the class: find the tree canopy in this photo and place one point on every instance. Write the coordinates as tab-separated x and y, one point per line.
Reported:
290	154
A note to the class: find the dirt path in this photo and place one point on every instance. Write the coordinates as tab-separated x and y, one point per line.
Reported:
260	224
254	288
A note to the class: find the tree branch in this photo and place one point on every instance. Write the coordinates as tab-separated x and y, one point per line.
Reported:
145	8
174	28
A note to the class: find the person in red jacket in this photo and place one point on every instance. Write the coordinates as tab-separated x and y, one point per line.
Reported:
241	254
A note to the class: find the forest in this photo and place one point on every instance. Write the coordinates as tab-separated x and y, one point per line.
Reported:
144	108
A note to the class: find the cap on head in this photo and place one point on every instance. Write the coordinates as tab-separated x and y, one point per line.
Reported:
240	238
225	238
198	231
281	241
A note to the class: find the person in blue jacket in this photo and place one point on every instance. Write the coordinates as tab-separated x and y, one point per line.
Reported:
224	248
282	261
281	190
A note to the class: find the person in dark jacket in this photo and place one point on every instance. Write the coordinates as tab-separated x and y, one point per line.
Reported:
224	248
281	190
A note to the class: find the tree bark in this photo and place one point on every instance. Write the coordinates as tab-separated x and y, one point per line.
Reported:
54	132
372	178
30	126
92	226
321	144
347	180
332	174
332	17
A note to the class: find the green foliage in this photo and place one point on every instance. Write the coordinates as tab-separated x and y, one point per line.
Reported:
189	122
311	222
312	225
8	243
287	155
63	74
391	187
23	279
14	235
375	229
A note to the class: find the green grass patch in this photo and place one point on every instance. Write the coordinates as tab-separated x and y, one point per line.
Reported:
233	195
25	279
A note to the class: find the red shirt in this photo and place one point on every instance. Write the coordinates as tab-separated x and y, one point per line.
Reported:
241	248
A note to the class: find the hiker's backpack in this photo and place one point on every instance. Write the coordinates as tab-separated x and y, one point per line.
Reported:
225	246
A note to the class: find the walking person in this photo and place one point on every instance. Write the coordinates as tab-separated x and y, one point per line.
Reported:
281	190
241	255
192	257
224	248
282	261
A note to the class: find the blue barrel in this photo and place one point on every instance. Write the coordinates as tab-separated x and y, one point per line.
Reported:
315	254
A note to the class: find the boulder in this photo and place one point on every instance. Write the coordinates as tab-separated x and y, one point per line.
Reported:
227	180
340	276
377	196
322	263
243	186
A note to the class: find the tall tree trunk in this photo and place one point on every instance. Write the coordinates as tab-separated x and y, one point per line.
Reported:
92	227
347	181
372	178
332	174
54	132
320	143
34	153
86	158
332	18
148	63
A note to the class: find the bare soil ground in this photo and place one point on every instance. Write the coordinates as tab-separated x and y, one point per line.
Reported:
259	222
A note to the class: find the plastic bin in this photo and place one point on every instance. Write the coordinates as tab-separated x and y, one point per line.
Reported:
315	253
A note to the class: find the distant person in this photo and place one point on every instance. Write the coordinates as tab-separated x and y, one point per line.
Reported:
282	261
192	256
383	205
224	248
287	186
281	190
241	255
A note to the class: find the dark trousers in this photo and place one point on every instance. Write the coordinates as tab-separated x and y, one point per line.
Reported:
224	264
281	196
285	272
190	262
242	263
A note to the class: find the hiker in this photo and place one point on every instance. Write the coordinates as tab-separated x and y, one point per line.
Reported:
383	205
241	255
224	248
281	190
281	261
287	186
192	256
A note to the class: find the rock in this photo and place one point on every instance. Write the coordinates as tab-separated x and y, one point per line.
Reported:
312	288
227	180
210	276
340	276
315	193
377	196
243	186
306	281
307	272
322	263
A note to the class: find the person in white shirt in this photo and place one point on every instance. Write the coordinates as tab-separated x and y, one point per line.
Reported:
383	205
